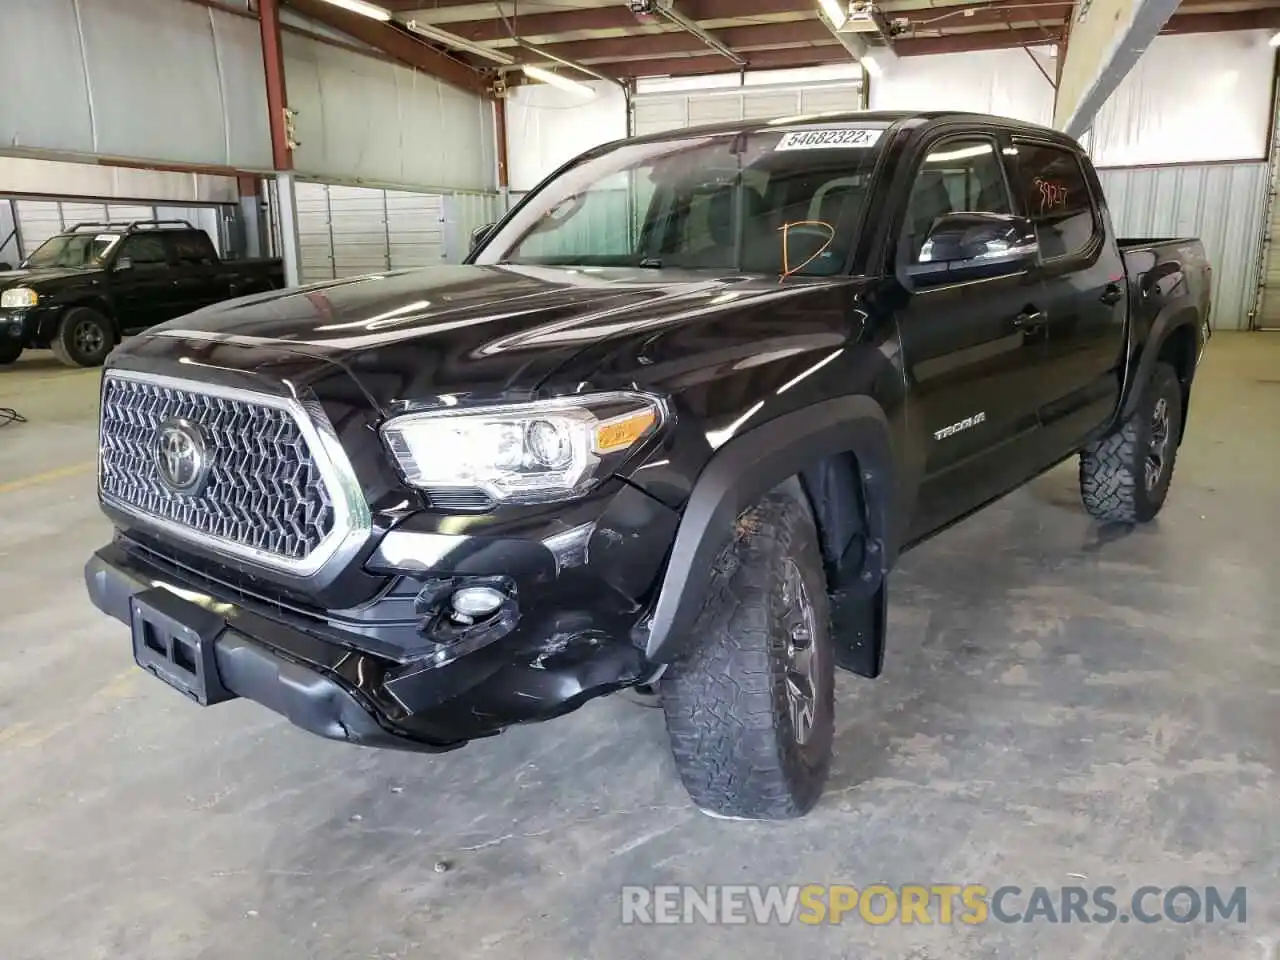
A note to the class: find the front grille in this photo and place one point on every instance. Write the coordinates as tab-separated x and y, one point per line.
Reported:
263	492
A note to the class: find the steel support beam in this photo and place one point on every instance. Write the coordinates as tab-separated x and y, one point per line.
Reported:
287	215
1106	39
277	98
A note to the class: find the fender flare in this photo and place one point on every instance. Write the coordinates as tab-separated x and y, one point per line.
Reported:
744	470
1181	313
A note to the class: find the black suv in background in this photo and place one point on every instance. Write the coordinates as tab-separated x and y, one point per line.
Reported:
81	290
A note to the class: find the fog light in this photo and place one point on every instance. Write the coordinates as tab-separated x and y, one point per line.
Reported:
476	603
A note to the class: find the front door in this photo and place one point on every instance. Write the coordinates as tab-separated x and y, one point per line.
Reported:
972	350
142	282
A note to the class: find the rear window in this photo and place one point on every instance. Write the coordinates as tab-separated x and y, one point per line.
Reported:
1055	195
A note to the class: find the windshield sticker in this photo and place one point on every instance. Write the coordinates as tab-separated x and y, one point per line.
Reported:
831	137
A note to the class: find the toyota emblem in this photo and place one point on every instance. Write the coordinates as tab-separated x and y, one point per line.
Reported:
181	456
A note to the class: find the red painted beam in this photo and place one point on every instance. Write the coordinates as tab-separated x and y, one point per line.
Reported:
978	40
277	99
1268	19
760	60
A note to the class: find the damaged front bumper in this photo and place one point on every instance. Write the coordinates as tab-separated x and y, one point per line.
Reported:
566	638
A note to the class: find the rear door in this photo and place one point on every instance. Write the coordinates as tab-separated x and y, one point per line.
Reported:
971	358
1084	290
144	292
199	276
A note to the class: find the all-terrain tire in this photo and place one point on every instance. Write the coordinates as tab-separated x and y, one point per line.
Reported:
1115	470
10	351
740	746
84	338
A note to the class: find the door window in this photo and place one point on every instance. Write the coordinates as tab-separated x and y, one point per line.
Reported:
145	249
962	175
194	247
1055	195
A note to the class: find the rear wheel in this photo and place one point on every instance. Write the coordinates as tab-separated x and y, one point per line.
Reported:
1125	476
750	709
84	338
10	350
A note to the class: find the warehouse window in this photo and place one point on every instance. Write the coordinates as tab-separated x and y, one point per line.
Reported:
1055	196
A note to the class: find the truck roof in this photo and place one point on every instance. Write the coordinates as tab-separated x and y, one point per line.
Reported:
889	117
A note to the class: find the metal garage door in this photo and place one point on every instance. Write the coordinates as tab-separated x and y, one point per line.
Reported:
654	113
349	231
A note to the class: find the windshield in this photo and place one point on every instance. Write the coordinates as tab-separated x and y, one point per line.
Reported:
72	250
785	201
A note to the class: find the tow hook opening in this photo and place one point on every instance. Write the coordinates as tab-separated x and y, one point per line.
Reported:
467	609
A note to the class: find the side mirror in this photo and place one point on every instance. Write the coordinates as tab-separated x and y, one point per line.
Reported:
123	263
971	246
480	234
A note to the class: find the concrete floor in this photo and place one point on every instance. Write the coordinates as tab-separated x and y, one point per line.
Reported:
1060	701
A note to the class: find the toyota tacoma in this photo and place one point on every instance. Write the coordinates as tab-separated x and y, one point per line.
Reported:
670	426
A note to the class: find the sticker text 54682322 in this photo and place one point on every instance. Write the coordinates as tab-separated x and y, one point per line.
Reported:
830	137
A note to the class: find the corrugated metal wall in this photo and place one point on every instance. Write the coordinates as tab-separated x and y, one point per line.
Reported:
1223	204
178	82
348	231
653	113
150	79
365	119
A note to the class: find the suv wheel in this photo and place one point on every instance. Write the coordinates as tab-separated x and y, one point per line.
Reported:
84	338
10	350
750	709
1125	476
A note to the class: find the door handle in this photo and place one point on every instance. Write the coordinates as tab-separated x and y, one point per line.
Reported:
1029	319
1112	294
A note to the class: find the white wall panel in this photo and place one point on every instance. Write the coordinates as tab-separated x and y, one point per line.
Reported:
363	119
1003	82
25	175
145	79
1190	99
547	126
654	113
1222	204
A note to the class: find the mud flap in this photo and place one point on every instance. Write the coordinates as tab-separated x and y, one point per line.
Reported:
858	628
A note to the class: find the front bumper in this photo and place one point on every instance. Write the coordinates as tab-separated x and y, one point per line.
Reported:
30	326
358	680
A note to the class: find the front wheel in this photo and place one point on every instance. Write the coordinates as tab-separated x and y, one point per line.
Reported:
750	708
1125	476
84	338
10	351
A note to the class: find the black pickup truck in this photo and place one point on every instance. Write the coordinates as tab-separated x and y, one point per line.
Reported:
79	292
670	427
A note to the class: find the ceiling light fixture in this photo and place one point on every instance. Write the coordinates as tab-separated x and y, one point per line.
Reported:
555	80
835	12
365	9
455	42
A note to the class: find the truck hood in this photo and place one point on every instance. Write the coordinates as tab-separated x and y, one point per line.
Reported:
462	331
26	278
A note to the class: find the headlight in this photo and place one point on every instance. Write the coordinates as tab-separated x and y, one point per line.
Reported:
19	297
522	453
